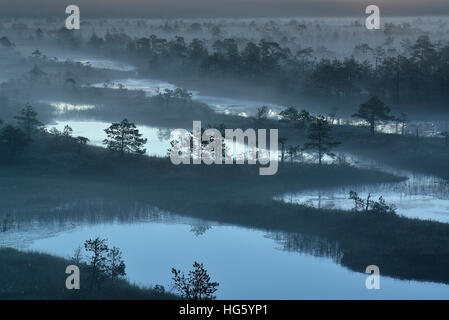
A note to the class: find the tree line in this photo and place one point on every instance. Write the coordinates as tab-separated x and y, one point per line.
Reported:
14	138
125	138
122	137
420	71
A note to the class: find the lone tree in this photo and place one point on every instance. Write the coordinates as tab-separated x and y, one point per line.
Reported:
373	110
289	114
68	131
304	118
106	264
97	251
371	206
292	152
27	120
403	121
124	137
282	142
262	113
81	140
320	138
116	266
197	285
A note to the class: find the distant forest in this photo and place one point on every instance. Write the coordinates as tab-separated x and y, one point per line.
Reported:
404	64
418	76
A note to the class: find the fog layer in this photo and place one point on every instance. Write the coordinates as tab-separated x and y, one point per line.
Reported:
218	8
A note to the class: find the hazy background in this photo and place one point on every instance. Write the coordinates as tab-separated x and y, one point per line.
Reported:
220	8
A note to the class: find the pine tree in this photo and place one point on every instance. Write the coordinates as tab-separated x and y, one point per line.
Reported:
115	264
97	251
68	131
292	152
197	285
372	111
320	138
124	137
289	114
27	120
262	113
282	142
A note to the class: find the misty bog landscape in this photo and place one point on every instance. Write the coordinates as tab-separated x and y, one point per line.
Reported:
362	177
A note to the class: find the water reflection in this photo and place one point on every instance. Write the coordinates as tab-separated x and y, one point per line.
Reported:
306	244
20	227
420	196
247	263
198	229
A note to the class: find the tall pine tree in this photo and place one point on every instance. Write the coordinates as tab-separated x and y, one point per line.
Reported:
27	121
124	137
372	111
320	138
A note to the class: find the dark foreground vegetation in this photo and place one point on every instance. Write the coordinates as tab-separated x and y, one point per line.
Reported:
30	275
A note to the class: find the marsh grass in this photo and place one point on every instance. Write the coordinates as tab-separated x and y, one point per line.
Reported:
33	275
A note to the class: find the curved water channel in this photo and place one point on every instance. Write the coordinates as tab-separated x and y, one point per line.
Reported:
248	264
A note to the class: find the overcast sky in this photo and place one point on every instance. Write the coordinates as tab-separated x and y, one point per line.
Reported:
220	8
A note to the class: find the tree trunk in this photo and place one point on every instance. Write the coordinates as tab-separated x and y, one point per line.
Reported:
282	153
367	202
397	82
122	146
320	155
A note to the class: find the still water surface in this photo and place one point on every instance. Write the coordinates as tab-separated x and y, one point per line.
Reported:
248	264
